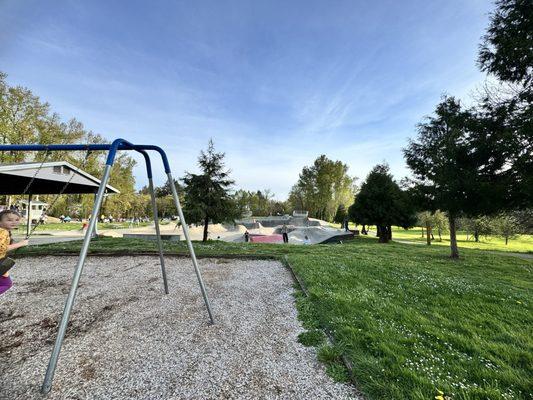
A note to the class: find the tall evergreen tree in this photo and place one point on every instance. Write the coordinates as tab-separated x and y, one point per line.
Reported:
479	161
506	114
447	172
381	202
207	196
506	50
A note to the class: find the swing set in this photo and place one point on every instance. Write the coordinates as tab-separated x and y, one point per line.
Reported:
116	145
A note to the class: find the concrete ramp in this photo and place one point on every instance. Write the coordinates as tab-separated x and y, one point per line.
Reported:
318	234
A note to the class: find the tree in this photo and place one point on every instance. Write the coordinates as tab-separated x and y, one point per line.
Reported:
479	161
381	202
440	221
480	226
506	47
25	119
322	187
166	190
426	220
207	196
259	203
166	207
340	215
453	170
506	226
525	220
507	112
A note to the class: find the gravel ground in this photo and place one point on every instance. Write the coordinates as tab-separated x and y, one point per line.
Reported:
127	340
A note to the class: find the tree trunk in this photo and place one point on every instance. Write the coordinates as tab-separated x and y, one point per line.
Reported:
206	224
363	231
428	233
440	236
382	233
453	238
476	236
422	231
506	240
390	232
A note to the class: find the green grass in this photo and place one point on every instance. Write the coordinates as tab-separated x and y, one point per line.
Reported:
76	226
521	244
411	320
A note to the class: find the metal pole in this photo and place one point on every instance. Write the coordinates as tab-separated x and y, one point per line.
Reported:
28	216
47	384
95	233
158	234
189	244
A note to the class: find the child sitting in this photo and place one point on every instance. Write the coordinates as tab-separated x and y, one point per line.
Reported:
9	219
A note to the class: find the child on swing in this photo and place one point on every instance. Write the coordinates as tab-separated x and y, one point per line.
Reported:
9	219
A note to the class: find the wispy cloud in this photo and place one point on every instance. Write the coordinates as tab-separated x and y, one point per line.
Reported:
275	84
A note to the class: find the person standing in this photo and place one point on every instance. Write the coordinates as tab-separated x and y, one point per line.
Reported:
285	233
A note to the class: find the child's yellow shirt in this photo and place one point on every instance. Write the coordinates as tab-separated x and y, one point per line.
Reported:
5	240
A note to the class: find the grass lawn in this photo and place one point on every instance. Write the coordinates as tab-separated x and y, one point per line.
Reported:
75	226
522	244
411	321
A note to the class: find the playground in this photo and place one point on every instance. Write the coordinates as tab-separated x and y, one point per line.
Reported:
127	339
389	319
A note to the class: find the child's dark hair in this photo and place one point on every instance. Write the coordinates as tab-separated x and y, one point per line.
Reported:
6	212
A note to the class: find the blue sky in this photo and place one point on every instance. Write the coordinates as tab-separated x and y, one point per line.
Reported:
274	83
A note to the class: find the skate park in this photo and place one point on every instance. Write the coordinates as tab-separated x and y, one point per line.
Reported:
260	230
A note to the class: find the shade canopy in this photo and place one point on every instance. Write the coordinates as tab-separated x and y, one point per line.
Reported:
50	179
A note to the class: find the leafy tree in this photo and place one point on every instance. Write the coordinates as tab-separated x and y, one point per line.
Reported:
25	119
381	202
506	226
259	203
165	206
207	196
280	207
480	226
165	189
525	220
426	220
440	222
322	187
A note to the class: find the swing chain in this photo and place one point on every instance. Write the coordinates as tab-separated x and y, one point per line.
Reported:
87	154
46	155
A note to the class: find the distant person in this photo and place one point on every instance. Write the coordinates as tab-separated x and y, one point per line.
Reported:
9	220
42	219
306	240
246	237
285	233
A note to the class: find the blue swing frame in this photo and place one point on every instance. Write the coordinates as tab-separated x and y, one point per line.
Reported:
116	145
